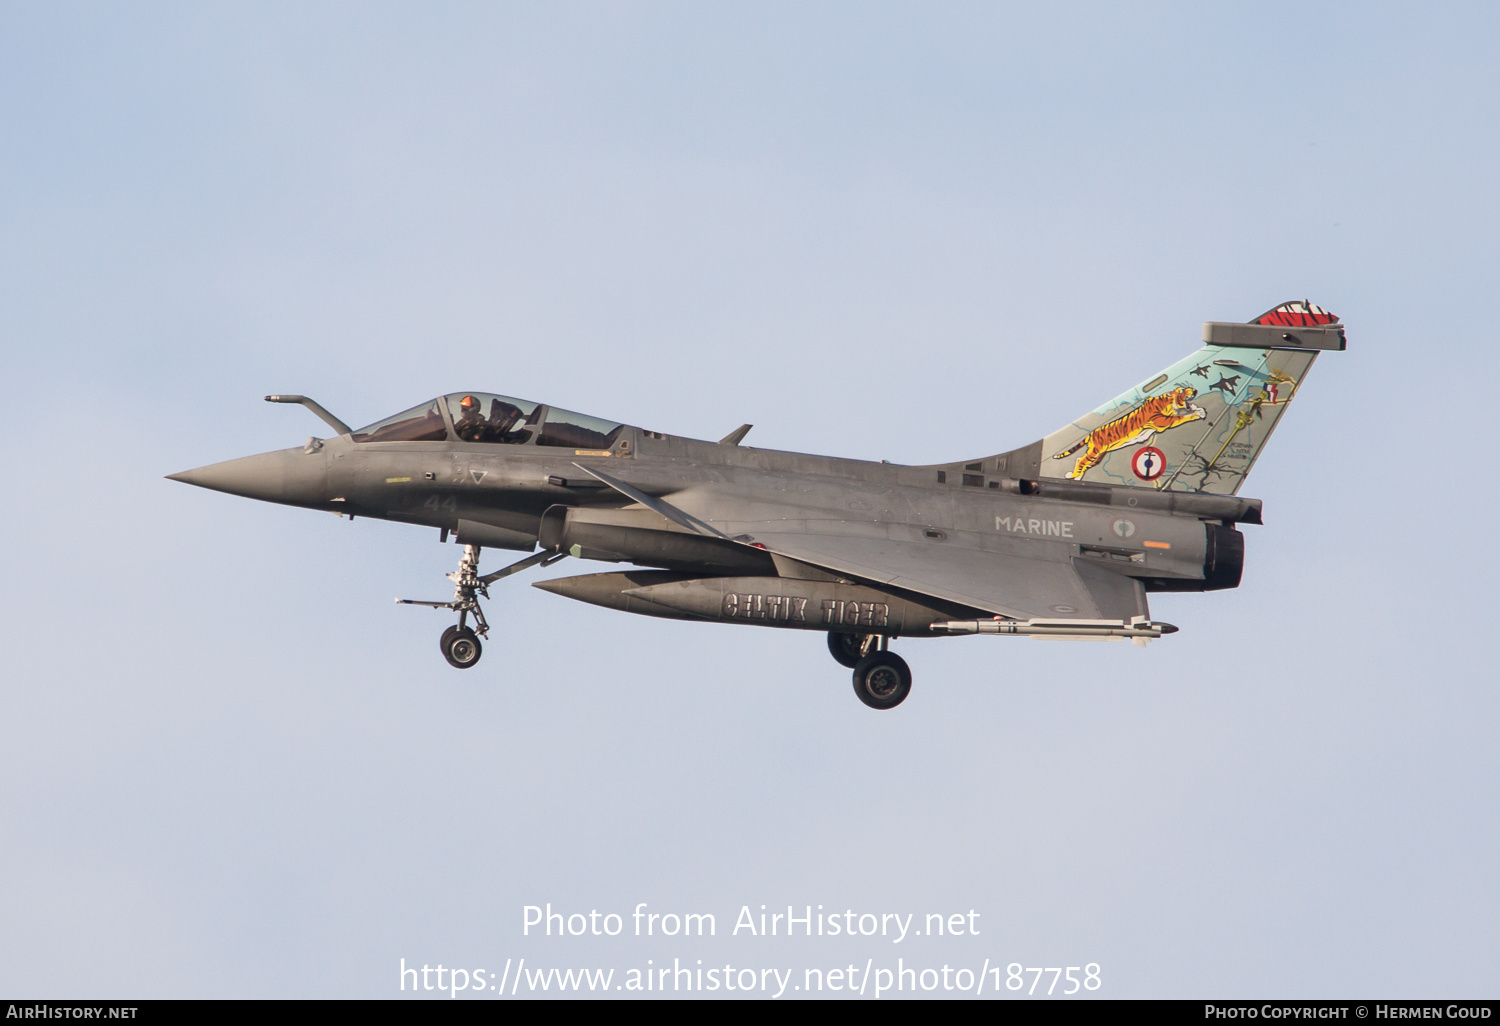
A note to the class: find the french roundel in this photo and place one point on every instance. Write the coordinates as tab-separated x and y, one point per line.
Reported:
1148	462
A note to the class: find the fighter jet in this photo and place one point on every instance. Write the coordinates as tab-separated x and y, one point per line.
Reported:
1062	538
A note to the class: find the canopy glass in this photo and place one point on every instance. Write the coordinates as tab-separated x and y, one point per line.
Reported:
486	418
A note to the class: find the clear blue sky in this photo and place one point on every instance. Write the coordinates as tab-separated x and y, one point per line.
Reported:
231	766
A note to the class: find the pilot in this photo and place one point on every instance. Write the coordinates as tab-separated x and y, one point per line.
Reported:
470	424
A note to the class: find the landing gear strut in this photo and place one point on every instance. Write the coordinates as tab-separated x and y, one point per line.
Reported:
460	643
849	649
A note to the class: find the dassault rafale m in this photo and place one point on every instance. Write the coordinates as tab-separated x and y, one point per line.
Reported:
1062	538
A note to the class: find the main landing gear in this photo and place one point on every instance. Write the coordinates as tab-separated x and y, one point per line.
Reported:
460	643
882	680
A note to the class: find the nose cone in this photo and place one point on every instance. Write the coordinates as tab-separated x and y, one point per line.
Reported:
289	476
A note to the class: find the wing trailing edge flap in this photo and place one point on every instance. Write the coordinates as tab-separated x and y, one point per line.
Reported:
997	582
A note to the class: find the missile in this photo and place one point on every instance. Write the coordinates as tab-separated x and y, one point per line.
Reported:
1139	629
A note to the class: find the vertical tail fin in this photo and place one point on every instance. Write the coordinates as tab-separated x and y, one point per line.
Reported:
1199	425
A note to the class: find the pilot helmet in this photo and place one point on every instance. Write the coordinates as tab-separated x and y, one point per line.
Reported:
469	404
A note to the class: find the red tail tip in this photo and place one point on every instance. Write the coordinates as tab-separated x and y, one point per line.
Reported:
1299	313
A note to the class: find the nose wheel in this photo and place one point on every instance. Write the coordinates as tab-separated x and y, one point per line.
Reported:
460	643
461	647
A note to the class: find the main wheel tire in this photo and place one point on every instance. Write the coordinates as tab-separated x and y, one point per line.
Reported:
882	680
461	648
447	634
846	648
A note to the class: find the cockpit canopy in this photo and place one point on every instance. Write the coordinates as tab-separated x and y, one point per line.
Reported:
495	420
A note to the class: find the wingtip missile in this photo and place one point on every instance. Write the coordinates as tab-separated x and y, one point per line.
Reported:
1138	628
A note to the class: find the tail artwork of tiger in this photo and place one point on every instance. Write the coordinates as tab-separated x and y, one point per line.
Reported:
1159	413
1207	417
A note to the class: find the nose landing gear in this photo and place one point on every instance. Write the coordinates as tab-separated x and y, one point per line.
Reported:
460	643
460	647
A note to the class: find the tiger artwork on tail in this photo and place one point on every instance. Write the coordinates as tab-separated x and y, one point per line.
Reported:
1160	413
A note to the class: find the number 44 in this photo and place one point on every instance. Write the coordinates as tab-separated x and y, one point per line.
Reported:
438	502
